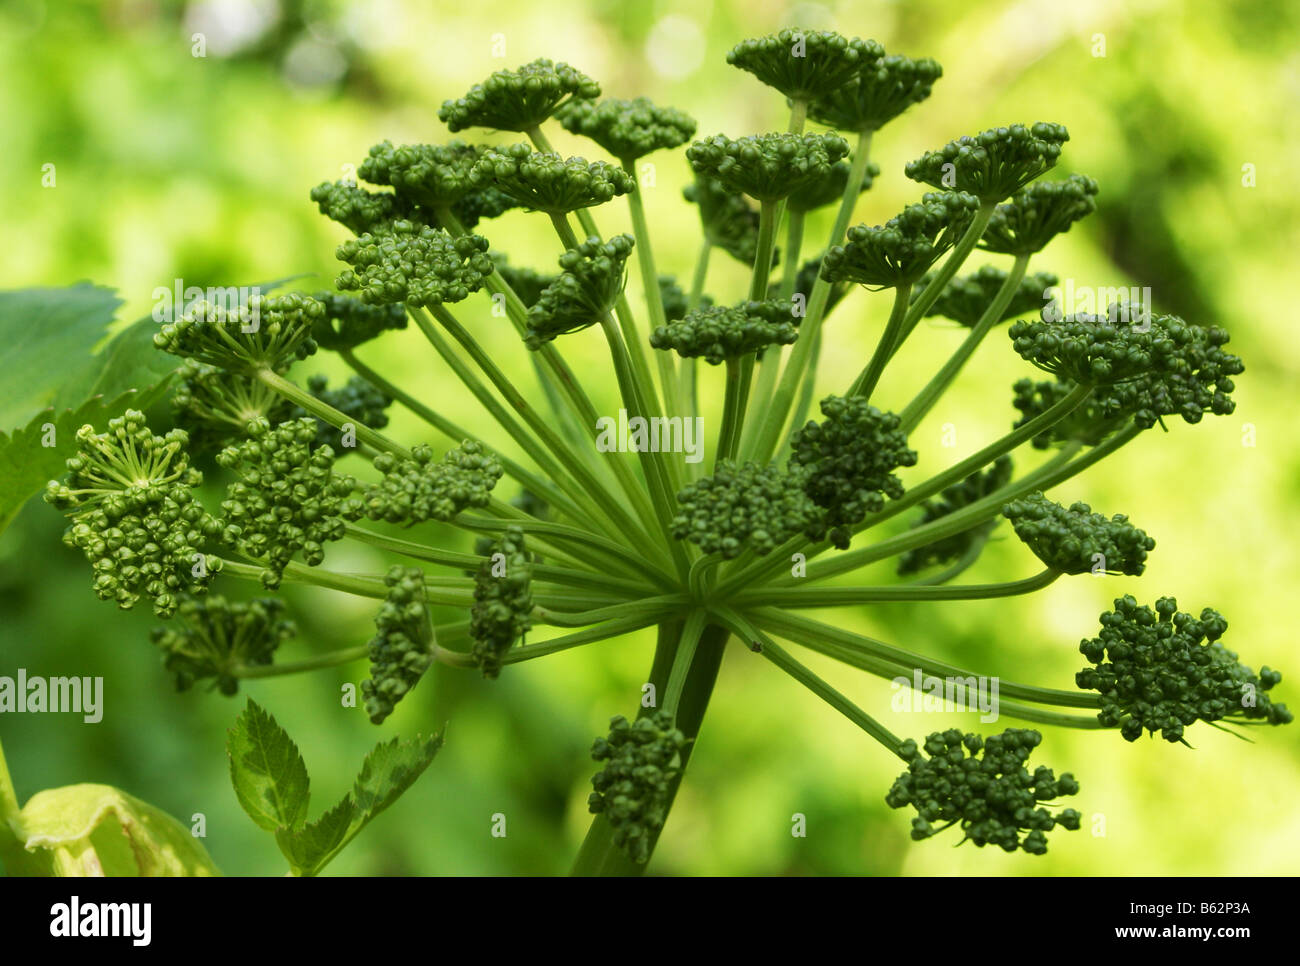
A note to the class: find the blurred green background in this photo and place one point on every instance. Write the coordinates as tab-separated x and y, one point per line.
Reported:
170	165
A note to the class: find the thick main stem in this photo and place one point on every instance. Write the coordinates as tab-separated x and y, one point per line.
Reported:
598	854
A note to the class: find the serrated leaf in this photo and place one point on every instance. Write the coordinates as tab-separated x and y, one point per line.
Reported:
310	847
48	336
389	770
268	772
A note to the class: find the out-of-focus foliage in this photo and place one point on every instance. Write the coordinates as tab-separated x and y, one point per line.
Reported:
133	162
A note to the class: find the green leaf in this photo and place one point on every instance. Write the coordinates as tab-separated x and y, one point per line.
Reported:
268	773
97	830
50	335
388	771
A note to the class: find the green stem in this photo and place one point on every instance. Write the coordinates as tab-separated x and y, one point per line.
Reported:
683	659
599	632
808	597
538	485
690	367
652	608
653	294
837	643
796	369
8	797
929	395
732	403
328	413
890	339
598	854
769	649
934	288
333	659
700	275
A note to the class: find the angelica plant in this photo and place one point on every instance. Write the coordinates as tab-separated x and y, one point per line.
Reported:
574	544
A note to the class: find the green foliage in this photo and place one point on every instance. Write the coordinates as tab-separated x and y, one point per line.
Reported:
1163	670
1074	540
266	332
287	500
628	129
1037	213
217	638
965	299
728	220
402	648
901	250
417	488
584	293
544	181
744	507
133	515
804	65
767	167
414	264
982	786
877	93
849	459
993	164
518	100
717	332
503	601
271	782
1149	368
975	487
642	762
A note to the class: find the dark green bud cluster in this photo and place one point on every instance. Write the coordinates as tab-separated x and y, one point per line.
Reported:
830	189
718	332
675	301
749	506
545	181
402	648
767	167
584	293
877	93
518	100
982	785
966	299
849	460
129	498
643	760
433	175
418	488
1089	424
503	601
219	637
1164	670
527	283
266	332
357	400
805	64
414	264
1074	540
975	487
903	248
287	498
349	322
628	129
210	402
993	164
1037	213
485	203
360	210
1151	367
807	278
728	220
